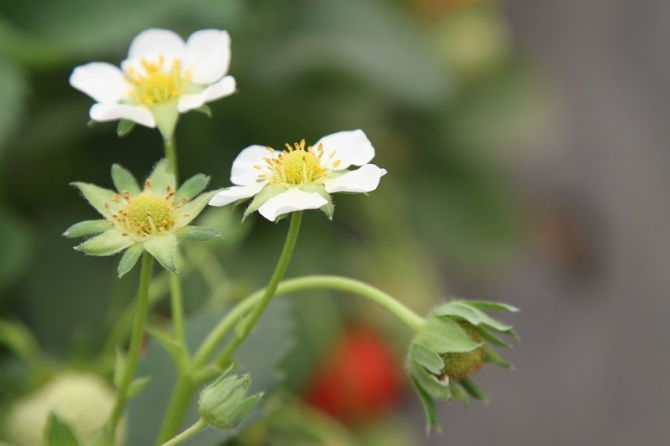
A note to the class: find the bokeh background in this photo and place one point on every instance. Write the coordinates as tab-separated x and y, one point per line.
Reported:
526	144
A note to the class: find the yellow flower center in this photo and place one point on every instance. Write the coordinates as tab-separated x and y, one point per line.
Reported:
146	214
297	165
156	85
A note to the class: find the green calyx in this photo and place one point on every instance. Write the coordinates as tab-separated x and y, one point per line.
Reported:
459	366
454	343
225	403
150	219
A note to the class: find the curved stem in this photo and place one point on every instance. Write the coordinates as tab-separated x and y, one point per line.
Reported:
188	433
135	342
209	345
284	259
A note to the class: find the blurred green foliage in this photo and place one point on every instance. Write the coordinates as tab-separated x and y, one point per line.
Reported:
445	107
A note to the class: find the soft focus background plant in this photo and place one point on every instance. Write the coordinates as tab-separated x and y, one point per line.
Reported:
450	101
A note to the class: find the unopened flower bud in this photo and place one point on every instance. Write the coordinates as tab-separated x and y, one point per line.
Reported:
224	403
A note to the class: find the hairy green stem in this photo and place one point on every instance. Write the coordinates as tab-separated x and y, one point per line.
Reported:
188	433
226	356
135	342
171	155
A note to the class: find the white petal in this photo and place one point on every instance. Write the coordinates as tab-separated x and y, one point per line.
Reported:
243	171
224	87
292	200
154	41
235	193
111	112
365	179
101	81
350	147
207	55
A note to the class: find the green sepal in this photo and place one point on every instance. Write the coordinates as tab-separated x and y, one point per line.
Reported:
119	368
426	357
432	422
491	306
204	109
162	179
473	315
192	209
491	338
105	244
137	385
328	208
197	233
124	180
191	188
166	117
58	433
269	191
129	258
176	350
101	199
125	126
493	357
430	383
164	249
88	227
444	335
474	390
459	393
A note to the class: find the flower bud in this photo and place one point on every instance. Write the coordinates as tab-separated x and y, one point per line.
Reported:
224	403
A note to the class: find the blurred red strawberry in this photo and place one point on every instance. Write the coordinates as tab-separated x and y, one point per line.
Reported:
360	380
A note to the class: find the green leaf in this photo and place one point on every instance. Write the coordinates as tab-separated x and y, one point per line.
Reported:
164	249
137	385
191	209
427	358
162	179
191	188
432	422
119	368
124	180
474	390
58	433
16	337
88	227
129	258
105	201
125	126
261	197
493	357
492	306
197	233
105	244
444	335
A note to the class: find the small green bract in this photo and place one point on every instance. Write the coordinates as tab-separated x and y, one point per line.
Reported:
150	219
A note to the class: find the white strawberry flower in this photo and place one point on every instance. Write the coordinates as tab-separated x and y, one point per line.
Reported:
162	77
301	177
